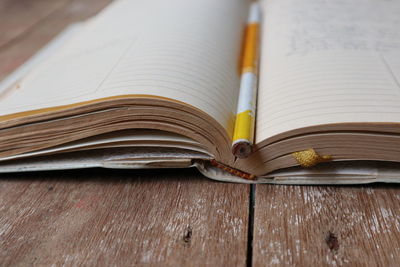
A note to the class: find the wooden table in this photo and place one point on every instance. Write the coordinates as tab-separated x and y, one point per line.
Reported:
175	217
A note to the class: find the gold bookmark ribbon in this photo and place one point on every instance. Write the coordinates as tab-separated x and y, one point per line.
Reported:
309	158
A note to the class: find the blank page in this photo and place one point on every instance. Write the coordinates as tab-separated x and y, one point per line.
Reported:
328	62
179	49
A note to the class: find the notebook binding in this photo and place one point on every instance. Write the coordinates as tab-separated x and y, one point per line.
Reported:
233	171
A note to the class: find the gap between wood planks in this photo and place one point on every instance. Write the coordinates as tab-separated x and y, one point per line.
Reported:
331	238
250	227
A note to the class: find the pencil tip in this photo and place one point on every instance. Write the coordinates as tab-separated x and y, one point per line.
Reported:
241	149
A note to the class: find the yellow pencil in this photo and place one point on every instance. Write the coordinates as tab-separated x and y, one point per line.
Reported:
243	135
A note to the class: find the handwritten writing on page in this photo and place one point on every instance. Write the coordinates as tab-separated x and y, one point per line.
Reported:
328	62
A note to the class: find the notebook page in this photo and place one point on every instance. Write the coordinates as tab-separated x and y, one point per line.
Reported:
184	50
328	62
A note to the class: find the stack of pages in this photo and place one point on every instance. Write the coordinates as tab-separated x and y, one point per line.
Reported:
155	84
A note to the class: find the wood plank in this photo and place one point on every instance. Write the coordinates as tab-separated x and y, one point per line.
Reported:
111	217
122	218
18	17
314	226
34	34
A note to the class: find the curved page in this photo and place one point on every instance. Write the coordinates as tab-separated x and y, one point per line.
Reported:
328	62
181	50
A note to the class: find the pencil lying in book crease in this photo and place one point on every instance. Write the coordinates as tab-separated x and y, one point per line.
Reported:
243	135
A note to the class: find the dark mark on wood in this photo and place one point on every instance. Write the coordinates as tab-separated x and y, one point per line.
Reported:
188	235
332	241
50	188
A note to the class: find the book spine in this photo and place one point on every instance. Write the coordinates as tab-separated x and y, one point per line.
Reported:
233	171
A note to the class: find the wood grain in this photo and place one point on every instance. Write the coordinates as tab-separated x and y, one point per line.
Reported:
320	226
18	17
26	26
105	217
122	218
175	217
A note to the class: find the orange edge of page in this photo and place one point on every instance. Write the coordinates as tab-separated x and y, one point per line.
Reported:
79	104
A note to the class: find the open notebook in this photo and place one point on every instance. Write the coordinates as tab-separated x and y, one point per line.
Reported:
152	84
